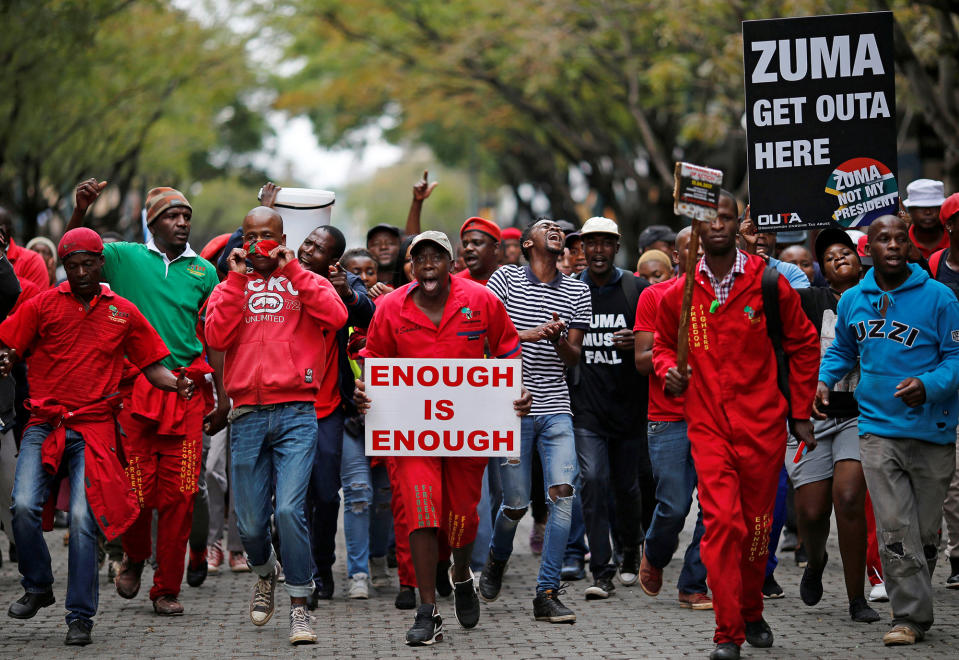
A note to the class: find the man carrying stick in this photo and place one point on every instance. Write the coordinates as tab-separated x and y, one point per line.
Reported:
736	414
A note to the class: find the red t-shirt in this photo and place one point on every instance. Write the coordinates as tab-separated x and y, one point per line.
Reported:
472	314
465	274
662	408
27	291
75	355
28	264
943	243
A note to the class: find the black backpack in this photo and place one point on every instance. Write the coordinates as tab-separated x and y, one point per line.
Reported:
774	327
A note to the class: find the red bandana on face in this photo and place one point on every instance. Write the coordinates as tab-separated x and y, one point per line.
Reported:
262	247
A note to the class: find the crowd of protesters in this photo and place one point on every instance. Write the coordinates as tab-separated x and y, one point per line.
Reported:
221	394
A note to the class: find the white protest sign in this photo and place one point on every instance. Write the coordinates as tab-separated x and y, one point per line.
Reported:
427	407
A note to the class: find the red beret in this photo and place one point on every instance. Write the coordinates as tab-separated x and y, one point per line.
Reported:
81	239
212	250
512	233
949	207
483	225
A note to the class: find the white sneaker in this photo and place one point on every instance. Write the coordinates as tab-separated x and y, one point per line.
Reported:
379	576
878	593
262	601
359	586
301	626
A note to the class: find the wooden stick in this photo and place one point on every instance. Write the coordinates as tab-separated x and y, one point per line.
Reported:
682	343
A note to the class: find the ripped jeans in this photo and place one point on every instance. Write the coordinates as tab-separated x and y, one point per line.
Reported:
366	506
552	435
907	481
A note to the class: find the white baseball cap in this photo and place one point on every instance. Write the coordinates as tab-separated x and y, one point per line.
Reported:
599	225
924	193
437	237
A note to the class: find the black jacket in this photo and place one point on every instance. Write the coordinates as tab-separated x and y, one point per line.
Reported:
9	292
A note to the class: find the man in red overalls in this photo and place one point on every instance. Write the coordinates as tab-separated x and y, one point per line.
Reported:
737	416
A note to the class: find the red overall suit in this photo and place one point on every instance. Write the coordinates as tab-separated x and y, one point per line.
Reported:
164	445
737	426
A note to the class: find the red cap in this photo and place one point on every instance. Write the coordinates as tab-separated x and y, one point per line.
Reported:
483	225
512	233
949	207
81	239
861	246
212	249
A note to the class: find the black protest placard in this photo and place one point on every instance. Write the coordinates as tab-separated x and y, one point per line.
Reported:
696	191
820	120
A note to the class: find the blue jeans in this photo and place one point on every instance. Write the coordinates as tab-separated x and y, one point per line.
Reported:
609	464
675	474
553	437
323	496
576	547
779	520
275	444
366	506
31	488
484	529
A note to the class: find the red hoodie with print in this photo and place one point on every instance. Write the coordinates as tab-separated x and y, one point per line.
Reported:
271	330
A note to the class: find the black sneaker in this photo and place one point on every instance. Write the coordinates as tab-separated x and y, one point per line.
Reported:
860	612
601	589
427	627
547	607
444	585
759	634
802	558
324	585
491	579
196	568
466	605
27	606
629	568
78	634
810	587
771	588
725	651
406	599
951	583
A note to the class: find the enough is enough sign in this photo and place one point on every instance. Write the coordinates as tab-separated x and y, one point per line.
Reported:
426	407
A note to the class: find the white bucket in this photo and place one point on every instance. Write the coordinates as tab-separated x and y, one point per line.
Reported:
303	210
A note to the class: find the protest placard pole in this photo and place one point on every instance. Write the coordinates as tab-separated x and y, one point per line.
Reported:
682	345
696	196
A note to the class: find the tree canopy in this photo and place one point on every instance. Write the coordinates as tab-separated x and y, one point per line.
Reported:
527	89
140	94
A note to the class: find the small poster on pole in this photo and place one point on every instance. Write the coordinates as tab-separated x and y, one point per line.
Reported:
696	191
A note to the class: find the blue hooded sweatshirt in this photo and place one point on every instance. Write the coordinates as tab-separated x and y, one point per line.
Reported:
911	331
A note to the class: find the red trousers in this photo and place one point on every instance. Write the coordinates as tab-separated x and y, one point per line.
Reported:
873	563
738	475
441	492
164	471
401	530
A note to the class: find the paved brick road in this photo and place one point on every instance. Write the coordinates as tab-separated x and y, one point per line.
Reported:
628	625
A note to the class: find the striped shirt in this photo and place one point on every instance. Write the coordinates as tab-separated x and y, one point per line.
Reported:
722	289
531	303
